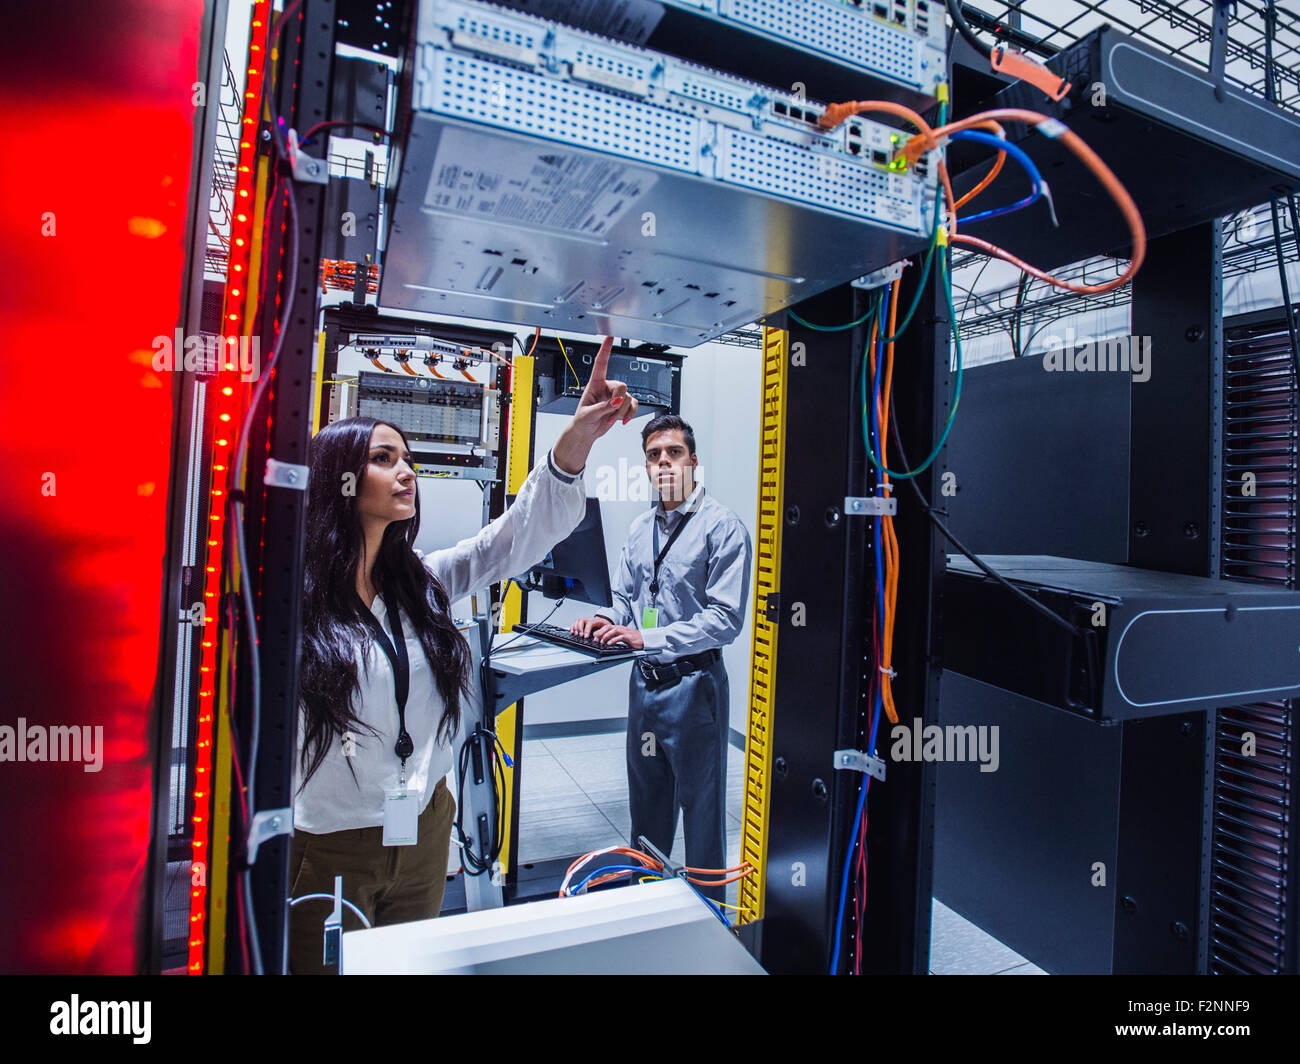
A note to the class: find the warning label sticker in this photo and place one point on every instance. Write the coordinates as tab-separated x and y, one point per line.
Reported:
543	188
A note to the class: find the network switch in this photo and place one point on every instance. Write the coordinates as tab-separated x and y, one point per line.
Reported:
887	49
553	177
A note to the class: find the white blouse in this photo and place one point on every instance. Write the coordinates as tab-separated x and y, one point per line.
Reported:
549	506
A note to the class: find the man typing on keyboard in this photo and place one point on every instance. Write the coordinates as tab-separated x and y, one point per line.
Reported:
679	595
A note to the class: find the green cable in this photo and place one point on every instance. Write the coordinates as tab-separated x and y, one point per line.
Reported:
828	328
947	428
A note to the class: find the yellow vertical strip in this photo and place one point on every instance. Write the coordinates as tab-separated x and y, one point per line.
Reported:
319	383
260	204
767	580
219	847
519	462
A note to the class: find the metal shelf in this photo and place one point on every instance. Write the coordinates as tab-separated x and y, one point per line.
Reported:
1180	27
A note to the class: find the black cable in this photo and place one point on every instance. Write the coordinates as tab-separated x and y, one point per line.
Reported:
1295	223
1287	310
968	34
1022	290
475	865
1046	611
1270	27
1024	41
522	589
337	124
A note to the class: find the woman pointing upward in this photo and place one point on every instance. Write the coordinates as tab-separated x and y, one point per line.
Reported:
384	667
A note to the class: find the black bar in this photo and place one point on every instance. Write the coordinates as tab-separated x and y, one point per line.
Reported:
900	837
1177	303
308	44
825	612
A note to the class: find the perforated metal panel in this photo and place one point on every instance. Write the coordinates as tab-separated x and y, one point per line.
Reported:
840	29
819	178
482	24
502	96
1253	858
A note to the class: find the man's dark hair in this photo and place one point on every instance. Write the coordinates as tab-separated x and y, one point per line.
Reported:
668	421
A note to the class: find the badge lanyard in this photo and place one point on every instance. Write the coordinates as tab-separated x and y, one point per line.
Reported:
660	554
395	650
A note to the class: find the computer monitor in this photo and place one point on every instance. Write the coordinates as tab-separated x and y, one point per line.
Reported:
576	567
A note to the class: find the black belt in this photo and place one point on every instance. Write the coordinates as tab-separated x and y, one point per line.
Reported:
663	675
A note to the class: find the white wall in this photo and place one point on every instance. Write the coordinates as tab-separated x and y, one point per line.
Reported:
721	394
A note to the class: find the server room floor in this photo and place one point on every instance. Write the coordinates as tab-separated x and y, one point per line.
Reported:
575	800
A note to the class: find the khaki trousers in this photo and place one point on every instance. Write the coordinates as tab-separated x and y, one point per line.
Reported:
390	884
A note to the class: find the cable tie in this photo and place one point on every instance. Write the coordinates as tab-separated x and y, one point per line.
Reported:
1051	204
1051	127
1025	68
881	485
888	671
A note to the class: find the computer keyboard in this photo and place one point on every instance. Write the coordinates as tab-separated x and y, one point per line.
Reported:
563	637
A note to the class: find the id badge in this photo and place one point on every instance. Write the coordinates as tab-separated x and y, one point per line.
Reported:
649	617
401	817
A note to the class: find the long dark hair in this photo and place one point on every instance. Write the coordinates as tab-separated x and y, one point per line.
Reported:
333	622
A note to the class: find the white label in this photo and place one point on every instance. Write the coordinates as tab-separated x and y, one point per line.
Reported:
552	189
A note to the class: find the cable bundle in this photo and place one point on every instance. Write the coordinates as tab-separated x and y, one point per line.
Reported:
649	868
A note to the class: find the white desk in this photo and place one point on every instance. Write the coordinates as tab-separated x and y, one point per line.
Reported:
660	928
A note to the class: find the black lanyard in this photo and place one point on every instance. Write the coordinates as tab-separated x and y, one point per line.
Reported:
659	554
395	650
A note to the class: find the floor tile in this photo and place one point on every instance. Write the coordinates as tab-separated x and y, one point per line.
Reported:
584	743
563	832
1024	969
617	813
595	768
544	783
958	947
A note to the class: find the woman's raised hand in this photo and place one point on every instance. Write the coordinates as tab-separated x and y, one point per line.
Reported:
603	402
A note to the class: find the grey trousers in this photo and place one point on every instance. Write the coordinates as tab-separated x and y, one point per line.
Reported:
677	759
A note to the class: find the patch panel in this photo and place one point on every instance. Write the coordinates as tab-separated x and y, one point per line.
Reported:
426	409
605	187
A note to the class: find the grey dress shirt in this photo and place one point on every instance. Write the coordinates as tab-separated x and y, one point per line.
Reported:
703	581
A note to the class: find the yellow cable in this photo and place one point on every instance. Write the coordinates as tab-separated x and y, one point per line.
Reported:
576	378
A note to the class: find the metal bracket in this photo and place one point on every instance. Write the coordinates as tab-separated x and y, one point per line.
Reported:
885	275
267	825
857	761
772	607
1219	44
285	475
305	167
870	505
670	869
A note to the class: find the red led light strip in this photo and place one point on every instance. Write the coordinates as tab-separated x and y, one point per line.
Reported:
227	398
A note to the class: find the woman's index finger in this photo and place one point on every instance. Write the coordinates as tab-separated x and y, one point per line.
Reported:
602	360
